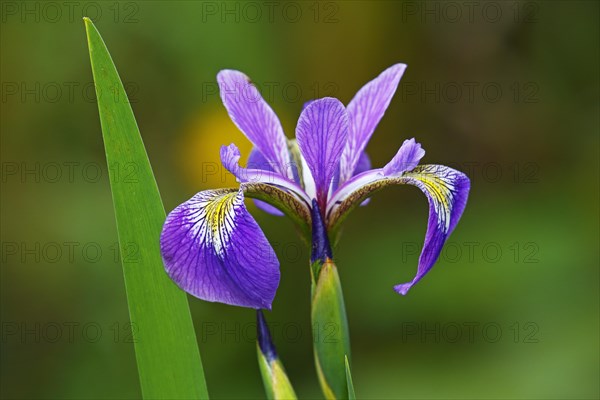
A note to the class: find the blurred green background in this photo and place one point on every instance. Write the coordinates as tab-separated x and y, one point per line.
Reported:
505	91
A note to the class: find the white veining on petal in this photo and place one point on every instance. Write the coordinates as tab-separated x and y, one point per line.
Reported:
352	185
440	186
230	156
213	219
436	181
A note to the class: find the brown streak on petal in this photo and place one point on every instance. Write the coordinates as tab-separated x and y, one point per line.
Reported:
282	200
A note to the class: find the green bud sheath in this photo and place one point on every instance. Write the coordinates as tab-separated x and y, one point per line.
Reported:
330	329
277	385
349	383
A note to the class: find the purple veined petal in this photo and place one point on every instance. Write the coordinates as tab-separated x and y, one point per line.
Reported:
406	159
257	161
255	118
365	111
447	191
230	155
213	249
364	164
266	207
353	185
306	103
321	135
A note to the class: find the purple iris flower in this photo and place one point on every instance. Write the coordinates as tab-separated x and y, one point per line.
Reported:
213	248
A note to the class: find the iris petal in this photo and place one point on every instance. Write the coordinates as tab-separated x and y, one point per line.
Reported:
257	161
447	191
407	158
213	249
365	111
364	164
230	155
321	135
255	118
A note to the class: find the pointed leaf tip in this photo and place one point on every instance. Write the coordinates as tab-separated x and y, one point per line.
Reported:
164	336
89	24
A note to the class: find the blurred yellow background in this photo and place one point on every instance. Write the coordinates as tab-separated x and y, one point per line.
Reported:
506	91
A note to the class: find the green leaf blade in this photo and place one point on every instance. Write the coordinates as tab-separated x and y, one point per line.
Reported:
167	353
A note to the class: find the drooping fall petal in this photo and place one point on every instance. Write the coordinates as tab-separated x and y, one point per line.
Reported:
447	191
213	249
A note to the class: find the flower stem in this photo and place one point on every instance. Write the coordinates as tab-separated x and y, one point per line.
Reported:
331	341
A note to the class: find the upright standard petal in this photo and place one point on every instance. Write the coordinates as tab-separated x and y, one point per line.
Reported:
447	191
365	111
213	249
255	118
321	135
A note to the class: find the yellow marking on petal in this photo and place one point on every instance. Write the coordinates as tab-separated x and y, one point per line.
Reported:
217	211
441	191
